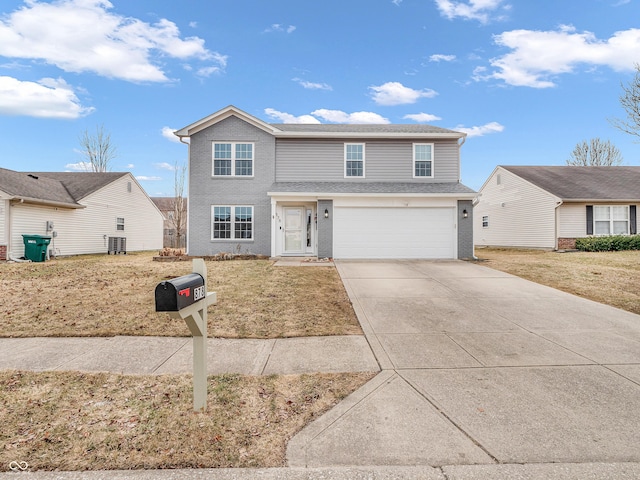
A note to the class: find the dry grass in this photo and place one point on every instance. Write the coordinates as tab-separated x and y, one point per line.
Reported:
99	295
74	421
612	278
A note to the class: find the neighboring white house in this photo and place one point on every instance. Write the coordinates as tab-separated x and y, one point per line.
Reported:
549	207
82	212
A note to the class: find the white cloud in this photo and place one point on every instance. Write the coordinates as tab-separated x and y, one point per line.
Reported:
164	166
442	58
312	85
277	27
472	10
288	118
79	167
48	98
338	116
130	166
538	56
492	127
422	117
396	2
333	116
167	132
86	36
394	93
144	178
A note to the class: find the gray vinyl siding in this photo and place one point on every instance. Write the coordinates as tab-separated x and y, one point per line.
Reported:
465	229
325	229
385	161
206	190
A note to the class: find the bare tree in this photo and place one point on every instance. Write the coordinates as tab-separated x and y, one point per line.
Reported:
178	217
97	149
595	153
630	101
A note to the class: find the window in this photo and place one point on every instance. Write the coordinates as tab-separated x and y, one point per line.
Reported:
354	160
611	220
233	159
119	223
233	223
422	160
485	221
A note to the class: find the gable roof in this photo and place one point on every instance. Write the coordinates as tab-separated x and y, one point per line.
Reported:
571	183
64	189
333	130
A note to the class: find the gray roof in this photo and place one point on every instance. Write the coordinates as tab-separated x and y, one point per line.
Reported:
370	188
66	188
358	128
584	183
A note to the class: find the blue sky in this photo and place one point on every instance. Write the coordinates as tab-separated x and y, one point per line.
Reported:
527	80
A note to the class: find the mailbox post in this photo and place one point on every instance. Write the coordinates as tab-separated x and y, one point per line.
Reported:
186	297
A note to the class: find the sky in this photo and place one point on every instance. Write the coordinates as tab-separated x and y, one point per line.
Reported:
526	80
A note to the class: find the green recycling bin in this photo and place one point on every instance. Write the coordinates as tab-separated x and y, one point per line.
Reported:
35	247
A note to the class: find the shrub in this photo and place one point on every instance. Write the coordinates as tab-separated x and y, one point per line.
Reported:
609	243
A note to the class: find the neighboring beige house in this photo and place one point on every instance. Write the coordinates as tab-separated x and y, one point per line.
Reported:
549	207
167	206
82	212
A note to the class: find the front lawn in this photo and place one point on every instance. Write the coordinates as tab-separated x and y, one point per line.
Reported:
101	295
612	278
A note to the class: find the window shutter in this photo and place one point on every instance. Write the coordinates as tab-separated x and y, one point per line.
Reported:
633	228
589	219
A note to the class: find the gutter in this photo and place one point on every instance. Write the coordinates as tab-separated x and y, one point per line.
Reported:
49	203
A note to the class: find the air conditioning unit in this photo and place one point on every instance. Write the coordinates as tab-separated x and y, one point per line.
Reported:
117	245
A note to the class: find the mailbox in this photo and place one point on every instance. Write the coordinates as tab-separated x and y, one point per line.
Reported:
178	293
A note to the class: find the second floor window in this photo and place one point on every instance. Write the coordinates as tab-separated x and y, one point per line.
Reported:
233	159
422	160
354	160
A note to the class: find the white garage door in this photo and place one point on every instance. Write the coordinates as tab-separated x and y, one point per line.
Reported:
393	232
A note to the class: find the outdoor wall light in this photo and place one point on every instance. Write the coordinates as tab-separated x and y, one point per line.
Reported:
326	213
464	213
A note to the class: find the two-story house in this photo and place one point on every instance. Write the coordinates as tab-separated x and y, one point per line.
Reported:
326	190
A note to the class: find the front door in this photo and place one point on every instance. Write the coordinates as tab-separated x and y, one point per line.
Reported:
294	230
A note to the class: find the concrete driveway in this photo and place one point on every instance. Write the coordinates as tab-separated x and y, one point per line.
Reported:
481	368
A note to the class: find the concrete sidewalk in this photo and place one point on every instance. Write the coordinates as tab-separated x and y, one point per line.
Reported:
165	355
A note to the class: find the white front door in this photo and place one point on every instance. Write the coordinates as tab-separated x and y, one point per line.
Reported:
294	230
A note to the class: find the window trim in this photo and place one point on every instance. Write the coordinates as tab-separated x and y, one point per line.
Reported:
485	221
119	223
233	159
232	222
414	160
364	162
611	220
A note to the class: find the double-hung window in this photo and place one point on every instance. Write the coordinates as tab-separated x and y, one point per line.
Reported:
120	223
611	219
423	160
232	222
233	159
354	159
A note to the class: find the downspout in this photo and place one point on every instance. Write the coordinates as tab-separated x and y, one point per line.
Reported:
558	204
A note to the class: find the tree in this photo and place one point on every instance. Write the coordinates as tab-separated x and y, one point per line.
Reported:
178	217
595	153
97	149
630	101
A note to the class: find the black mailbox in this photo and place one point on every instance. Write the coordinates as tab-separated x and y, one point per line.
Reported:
175	294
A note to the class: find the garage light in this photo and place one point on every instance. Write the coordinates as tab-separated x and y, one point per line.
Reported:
464	213
326	213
